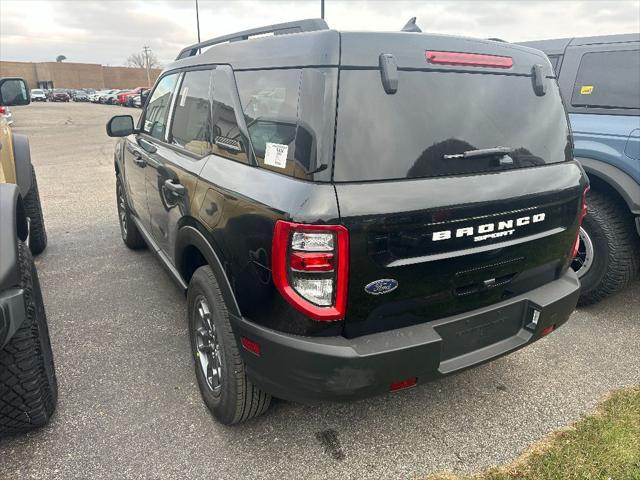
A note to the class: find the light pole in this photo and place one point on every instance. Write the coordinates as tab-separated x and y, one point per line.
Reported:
321	9
146	50
198	20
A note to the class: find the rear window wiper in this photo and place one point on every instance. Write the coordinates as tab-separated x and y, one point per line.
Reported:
481	152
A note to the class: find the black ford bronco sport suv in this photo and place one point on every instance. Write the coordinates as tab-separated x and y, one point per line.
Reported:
353	213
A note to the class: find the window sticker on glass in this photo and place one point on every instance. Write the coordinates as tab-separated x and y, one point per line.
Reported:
276	155
586	89
183	96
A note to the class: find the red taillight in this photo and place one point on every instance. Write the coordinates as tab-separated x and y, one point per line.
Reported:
548	330
582	214
253	347
408	383
468	59
3	110
310	268
311	261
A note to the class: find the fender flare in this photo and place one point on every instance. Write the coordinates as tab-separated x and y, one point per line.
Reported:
190	235
622	183
13	226
22	158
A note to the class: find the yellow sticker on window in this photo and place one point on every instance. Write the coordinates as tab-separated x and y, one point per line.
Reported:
586	89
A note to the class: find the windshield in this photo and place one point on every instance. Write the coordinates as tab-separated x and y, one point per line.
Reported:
424	128
36	91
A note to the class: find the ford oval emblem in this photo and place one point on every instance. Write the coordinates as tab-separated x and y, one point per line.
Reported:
382	286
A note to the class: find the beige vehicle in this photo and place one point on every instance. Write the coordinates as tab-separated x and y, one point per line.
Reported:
28	387
16	167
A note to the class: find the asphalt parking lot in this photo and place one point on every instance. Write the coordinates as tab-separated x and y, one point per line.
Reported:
129	406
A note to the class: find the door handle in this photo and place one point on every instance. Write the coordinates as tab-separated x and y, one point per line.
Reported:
175	188
148	146
138	160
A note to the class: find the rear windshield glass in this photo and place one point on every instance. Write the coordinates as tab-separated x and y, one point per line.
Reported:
434	115
608	80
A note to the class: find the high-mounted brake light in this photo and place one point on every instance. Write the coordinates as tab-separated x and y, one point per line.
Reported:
310	268
468	59
582	214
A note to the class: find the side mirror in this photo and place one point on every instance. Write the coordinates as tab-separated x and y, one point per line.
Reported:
14	91
120	126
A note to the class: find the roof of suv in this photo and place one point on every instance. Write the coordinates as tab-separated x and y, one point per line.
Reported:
314	44
558	45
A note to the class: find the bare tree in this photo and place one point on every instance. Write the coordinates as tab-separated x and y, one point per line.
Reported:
138	60
60	58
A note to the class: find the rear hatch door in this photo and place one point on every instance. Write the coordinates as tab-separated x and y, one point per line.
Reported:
436	231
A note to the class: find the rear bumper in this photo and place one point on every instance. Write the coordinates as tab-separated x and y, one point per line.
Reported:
308	369
12	313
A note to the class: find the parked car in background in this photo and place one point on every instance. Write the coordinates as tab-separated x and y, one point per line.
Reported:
95	96
28	386
143	97
38	95
136	101
124	98
101	95
80	96
112	98
5	113
599	79
59	95
333	250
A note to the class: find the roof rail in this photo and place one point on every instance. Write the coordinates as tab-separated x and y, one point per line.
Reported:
308	25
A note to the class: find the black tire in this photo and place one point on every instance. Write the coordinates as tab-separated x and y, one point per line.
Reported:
237	399
33	210
131	236
28	385
616	248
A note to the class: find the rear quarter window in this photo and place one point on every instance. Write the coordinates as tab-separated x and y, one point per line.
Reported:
608	80
290	116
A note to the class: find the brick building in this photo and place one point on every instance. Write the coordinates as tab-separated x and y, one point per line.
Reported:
77	75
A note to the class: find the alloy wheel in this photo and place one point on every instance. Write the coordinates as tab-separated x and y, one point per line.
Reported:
583	260
122	211
208	350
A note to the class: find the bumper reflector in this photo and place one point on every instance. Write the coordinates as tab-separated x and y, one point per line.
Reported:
548	330
253	347
401	385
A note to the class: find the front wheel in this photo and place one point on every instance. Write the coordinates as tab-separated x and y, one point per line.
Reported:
609	251
220	370
128	230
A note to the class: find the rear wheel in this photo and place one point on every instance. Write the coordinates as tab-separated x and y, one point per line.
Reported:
609	251
220	371
28	386
128	230
33	210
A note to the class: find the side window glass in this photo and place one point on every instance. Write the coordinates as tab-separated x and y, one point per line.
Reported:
155	116
270	103
227	138
608	80
191	126
555	60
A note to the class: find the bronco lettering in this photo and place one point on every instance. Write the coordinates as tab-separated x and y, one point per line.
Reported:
503	228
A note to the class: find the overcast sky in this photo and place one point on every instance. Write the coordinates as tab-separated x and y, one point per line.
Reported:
109	31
